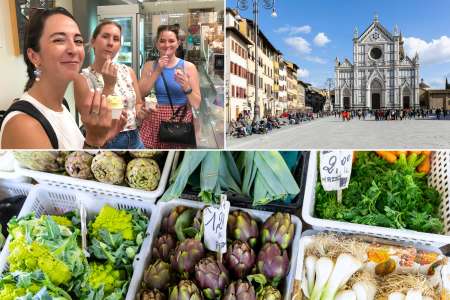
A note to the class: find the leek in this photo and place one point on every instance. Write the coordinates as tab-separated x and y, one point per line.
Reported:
310	265
324	268
413	295
346	265
346	295
396	296
364	290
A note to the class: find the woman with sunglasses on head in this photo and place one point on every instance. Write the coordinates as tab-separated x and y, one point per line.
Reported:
53	53
115	79
176	84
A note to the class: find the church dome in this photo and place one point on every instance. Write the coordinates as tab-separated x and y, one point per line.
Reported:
423	85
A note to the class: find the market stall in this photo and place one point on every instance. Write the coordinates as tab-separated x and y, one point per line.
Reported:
227	225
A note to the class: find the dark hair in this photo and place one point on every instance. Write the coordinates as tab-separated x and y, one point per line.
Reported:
172	28
105	22
33	33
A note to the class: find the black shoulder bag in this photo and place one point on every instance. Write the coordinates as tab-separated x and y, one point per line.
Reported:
173	131
29	109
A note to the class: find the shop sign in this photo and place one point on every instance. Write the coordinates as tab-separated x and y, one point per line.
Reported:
215	224
335	169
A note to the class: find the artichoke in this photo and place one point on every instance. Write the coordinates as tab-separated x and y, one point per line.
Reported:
151	295
145	154
278	228
185	290
78	165
157	275
179	222
108	167
273	262
240	290
143	173
240	258
242	227
45	161
168	223
269	293
186	256
163	246
212	277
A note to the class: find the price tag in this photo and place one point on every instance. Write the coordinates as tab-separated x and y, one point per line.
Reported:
335	169
215	222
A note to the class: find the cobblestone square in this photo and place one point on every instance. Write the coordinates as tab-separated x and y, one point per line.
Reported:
333	133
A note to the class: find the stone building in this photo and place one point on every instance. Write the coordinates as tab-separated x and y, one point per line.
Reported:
381	75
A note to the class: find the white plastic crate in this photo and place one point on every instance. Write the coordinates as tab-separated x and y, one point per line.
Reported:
163	209
13	188
306	240
438	178
98	188
44	199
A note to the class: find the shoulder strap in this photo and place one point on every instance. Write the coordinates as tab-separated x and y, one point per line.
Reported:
29	109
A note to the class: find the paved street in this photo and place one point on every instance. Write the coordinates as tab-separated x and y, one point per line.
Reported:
330	132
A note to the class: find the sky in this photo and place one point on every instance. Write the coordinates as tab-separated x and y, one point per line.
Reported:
312	33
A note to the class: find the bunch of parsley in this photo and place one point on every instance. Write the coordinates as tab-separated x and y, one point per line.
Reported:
385	195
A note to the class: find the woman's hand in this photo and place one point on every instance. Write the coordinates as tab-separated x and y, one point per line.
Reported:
163	62
117	126
96	117
182	79
109	73
143	113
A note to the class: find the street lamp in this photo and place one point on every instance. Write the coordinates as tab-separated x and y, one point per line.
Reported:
267	4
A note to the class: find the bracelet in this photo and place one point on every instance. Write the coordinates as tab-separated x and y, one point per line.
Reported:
88	146
188	91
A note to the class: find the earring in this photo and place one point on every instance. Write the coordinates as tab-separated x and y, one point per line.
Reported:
37	73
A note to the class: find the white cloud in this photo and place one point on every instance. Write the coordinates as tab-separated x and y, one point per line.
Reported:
316	59
302	73
291	30
299	44
436	51
321	39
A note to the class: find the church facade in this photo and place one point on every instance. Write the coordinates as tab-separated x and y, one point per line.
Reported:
381	76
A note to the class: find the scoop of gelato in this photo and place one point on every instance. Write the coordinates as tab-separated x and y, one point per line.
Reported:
143	173
45	161
78	164
108	167
115	102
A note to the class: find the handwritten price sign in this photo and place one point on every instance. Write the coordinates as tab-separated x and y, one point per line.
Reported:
215	220
335	169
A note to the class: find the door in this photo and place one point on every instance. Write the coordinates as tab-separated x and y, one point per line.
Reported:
376	101
129	18
406	102
346	102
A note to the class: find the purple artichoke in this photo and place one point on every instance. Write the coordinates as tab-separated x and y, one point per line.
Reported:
185	290
240	258
242	227
279	229
157	275
168	223
212	277
186	256
163	246
273	262
269	293
151	295
240	290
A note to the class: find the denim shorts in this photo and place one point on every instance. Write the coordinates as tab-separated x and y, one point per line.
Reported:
129	139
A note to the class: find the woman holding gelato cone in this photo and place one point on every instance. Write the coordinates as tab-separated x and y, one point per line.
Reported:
177	87
53	54
118	81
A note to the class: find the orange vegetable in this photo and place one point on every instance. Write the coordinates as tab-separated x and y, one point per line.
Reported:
398	153
414	152
354	157
427	153
388	156
425	166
